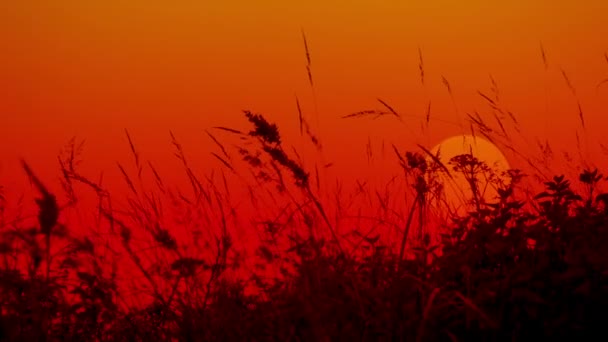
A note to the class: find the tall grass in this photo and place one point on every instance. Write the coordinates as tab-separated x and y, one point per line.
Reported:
387	263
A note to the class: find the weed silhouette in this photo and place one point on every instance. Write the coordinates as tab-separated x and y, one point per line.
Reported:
507	270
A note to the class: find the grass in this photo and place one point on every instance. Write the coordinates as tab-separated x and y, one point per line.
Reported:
507	270
390	263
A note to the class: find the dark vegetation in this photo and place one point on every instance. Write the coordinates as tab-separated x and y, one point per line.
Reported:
508	270
163	265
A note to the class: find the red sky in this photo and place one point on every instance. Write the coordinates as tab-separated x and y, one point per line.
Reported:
93	68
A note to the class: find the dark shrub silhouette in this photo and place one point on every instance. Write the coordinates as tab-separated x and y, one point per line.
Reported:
508	270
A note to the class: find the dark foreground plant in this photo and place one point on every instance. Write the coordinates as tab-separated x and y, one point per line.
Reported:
508	270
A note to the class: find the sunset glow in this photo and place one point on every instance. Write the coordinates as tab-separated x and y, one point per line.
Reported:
92	69
228	161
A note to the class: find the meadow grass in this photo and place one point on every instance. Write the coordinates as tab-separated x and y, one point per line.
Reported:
376	263
508	269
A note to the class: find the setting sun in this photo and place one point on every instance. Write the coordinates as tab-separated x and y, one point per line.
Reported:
457	189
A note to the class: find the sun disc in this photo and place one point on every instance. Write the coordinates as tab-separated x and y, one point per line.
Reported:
457	190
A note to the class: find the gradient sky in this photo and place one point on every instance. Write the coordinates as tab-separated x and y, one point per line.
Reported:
93	68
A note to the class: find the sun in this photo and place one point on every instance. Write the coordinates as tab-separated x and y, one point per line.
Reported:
457	189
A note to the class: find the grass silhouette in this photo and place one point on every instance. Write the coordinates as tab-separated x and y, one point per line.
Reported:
506	270
164	265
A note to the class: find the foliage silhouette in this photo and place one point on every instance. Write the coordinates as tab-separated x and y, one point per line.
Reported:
508	270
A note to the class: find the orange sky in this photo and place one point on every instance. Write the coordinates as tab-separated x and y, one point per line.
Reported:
93	68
